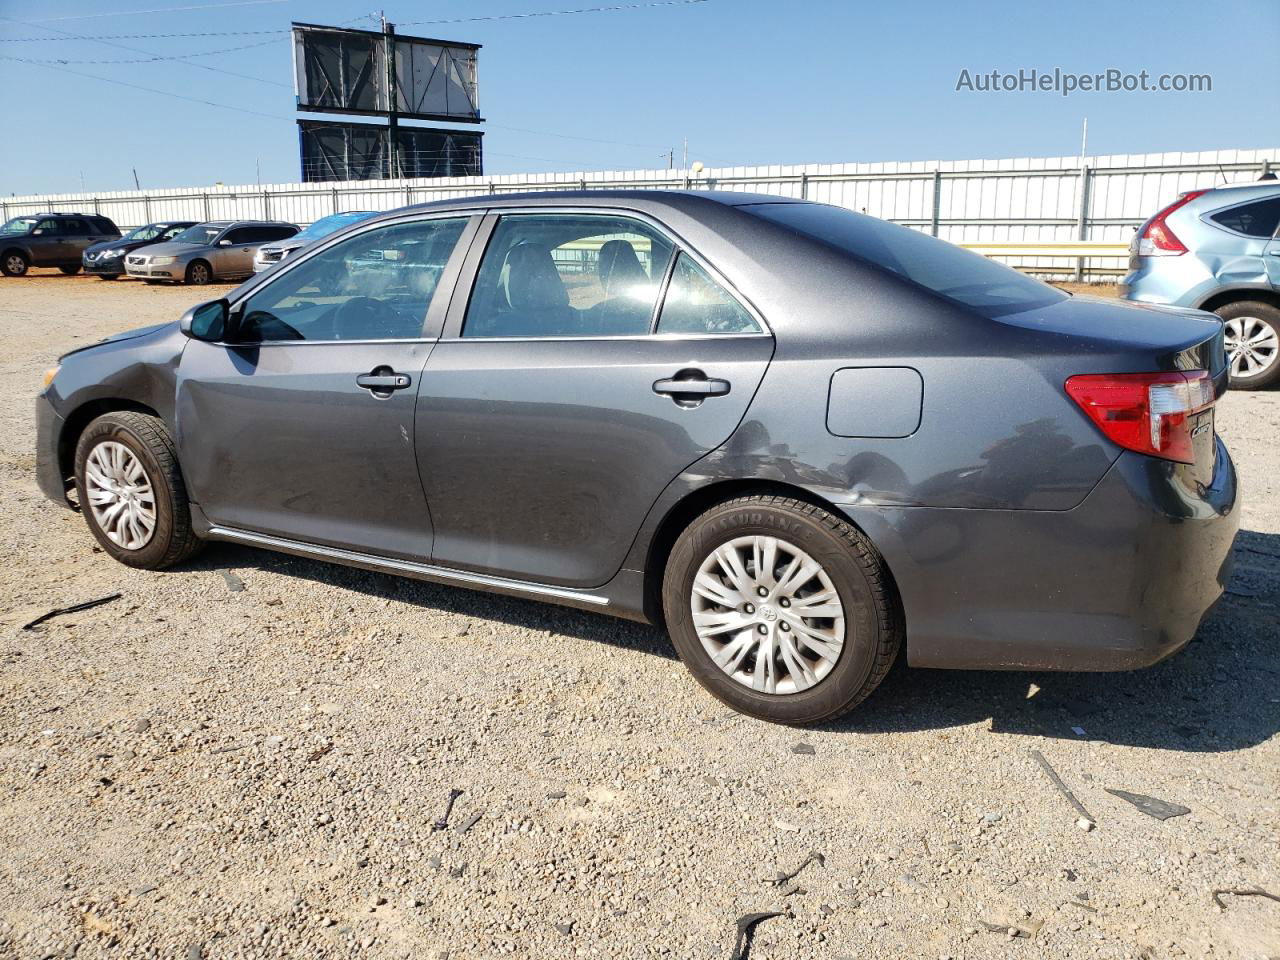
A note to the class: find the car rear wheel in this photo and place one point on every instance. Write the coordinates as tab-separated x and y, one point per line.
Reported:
131	491
781	609
71	269
108	276
14	263
1252	334
198	273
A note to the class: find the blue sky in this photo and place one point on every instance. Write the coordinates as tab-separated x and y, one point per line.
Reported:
746	81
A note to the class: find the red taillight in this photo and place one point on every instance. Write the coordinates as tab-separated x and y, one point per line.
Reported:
1150	413
1156	239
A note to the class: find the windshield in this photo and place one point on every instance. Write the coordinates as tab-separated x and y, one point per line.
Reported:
149	232
203	234
18	225
327	225
988	287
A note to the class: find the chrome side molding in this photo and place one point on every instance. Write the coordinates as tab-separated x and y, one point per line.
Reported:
422	571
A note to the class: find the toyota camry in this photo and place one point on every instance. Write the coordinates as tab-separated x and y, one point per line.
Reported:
798	438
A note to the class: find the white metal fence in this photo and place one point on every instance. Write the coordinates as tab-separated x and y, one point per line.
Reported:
1027	200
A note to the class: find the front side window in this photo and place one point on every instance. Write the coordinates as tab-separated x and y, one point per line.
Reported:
695	304
46	228
1252	219
568	275
373	286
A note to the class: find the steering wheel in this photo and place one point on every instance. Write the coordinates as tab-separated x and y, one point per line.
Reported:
364	315
262	326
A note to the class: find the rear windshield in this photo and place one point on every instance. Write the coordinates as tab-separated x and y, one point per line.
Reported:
969	279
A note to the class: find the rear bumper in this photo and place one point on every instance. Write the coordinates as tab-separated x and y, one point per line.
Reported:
48	471
1121	581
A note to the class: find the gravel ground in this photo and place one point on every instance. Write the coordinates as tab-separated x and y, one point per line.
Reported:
245	757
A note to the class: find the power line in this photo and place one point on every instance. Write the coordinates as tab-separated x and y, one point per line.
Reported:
126	13
163	93
155	59
617	8
566	136
109	43
556	13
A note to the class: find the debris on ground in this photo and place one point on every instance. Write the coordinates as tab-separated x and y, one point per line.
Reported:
316	754
1246	892
74	608
1085	821
234	583
805	749
813	856
746	931
470	822
1024	929
443	822
1151	806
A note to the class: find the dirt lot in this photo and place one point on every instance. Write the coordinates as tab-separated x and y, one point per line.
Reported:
244	758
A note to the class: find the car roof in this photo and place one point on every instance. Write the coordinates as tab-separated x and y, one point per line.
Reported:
684	201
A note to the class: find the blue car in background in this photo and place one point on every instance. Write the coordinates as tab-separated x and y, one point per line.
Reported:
271	254
1219	250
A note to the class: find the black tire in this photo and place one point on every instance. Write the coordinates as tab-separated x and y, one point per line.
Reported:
199	273
15	263
1267	316
71	269
108	276
872	614
173	540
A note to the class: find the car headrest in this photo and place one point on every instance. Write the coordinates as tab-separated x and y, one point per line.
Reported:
531	280
619	267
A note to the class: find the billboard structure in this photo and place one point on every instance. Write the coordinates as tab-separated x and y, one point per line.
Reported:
361	151
382	74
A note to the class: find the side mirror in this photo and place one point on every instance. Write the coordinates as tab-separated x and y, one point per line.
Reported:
206	321
224	243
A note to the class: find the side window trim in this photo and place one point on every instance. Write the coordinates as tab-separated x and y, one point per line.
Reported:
434	320
465	288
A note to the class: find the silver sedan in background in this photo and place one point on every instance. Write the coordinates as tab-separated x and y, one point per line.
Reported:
216	250
271	254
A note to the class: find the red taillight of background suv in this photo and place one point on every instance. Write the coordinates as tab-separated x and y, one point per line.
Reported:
1156	239
1149	413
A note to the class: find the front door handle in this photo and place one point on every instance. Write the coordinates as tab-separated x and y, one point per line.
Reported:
382	380
702	386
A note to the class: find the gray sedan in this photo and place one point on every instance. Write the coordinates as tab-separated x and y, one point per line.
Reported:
216	250
798	438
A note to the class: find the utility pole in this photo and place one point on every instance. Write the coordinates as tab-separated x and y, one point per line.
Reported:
136	185
393	138
671	157
684	162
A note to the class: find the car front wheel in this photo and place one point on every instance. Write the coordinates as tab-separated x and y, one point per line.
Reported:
199	273
781	609
71	269
131	491
1251	330
14	263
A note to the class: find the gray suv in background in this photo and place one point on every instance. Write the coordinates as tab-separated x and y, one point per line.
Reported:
50	240
216	250
1219	250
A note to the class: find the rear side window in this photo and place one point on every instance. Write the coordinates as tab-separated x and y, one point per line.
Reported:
242	235
696	304
568	275
989	288
75	227
1258	219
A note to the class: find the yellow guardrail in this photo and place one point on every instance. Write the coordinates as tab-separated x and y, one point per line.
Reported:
1065	248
